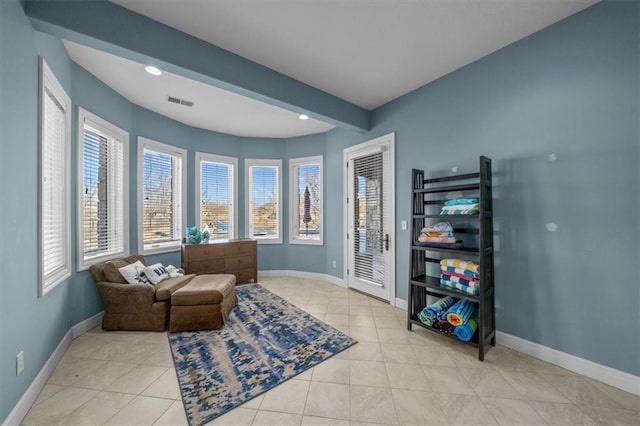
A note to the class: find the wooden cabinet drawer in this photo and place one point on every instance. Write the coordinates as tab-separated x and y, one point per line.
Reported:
206	266
233	249
204	251
243	275
238	262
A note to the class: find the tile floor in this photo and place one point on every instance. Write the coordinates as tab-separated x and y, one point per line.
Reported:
391	377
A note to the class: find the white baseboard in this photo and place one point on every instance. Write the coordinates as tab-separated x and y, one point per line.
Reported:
602	373
402	304
302	274
21	409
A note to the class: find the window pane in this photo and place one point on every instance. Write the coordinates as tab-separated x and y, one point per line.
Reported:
308	214
215	196
264	201
158	200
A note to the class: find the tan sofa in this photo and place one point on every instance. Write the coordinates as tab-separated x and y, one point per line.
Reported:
134	306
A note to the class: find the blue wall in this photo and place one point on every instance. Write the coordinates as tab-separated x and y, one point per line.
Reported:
571	90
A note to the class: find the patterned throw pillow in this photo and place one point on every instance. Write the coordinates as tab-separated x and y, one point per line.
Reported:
156	273
134	273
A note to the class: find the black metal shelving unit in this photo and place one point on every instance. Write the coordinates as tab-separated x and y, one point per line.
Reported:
427	196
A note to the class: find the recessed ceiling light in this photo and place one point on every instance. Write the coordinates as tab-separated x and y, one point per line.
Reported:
303	117
152	70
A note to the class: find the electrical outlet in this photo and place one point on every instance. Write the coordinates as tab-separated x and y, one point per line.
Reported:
19	363
403	225
334	264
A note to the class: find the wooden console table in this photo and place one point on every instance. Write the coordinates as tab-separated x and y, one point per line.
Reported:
237	257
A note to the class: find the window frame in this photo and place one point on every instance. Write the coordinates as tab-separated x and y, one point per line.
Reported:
220	159
249	163
122	136
294	206
47	81
181	154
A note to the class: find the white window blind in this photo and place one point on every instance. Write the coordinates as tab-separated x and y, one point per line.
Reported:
305	200
368	239
216	209
103	208
264	200
162	196
55	203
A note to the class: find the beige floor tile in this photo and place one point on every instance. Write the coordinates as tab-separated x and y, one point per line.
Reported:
336	319
363	334
446	380
369	404
612	416
316	308
361	321
105	375
487	382
582	391
158	338
270	418
464	409
407	376
235	417
338	307
418	408
628	400
561	414
383	310
58	406
254	403
392	352
165	386
512	412
533	387
47	392
361	310
305	375
143	410
368	373
174	416
433	355
319	421
288	397
71	369
161	357
388	322
328	400
366	351
85	344
137	380
99	409
392	335
332	370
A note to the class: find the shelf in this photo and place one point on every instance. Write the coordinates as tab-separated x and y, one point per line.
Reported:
446	216
450	178
469	251
466	187
472	342
433	284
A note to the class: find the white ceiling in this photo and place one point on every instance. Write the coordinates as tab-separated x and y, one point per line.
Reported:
367	52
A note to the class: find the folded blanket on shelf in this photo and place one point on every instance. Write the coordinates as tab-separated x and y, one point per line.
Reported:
460	313
462	279
460	271
453	246
466	331
462	201
422	316
464	288
461	264
469	209
440	229
423	238
443	327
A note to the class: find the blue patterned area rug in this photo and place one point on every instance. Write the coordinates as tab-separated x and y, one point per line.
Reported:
265	341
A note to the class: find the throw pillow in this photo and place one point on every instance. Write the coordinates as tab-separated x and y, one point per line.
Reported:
156	273
134	273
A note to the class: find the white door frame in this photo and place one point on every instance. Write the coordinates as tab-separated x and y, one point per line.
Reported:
387	141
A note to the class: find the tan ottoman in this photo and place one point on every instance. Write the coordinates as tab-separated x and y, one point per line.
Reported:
204	303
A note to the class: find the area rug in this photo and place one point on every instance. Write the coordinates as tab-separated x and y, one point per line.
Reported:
265	342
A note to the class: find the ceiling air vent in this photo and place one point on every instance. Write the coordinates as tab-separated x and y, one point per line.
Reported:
179	101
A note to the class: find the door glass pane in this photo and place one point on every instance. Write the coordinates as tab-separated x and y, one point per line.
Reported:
368	208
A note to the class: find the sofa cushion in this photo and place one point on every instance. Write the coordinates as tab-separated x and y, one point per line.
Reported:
165	288
112	270
156	273
134	274
208	289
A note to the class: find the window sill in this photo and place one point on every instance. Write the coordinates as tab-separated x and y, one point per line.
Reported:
306	242
160	250
84	265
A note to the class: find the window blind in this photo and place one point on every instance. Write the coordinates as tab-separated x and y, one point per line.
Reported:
307	220
264	199
54	188
162	195
216	189
368	239
103	195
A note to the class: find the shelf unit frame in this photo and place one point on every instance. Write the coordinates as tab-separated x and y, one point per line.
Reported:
422	285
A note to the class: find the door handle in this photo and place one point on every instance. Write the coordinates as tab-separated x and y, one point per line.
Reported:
386	242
